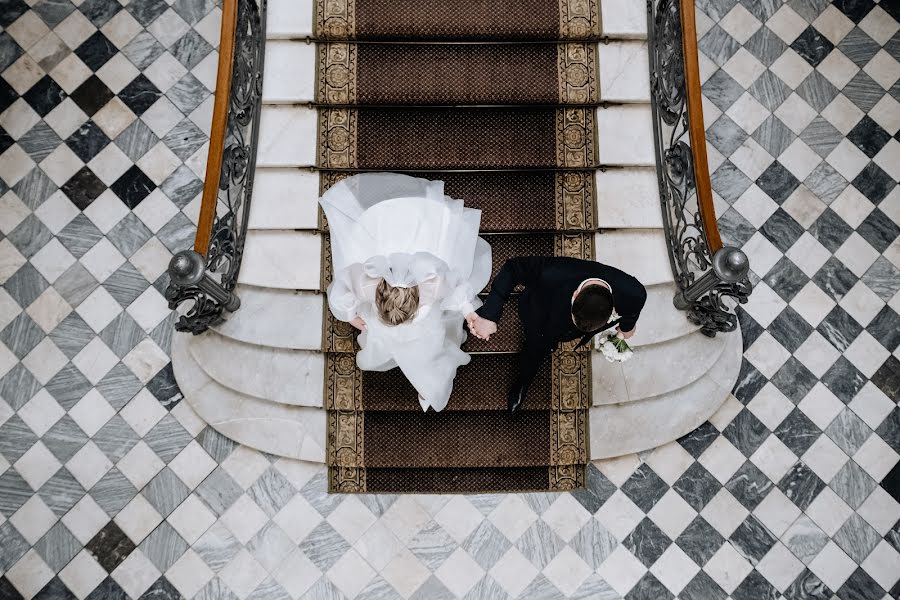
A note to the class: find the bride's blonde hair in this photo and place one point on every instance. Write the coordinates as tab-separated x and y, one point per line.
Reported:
396	304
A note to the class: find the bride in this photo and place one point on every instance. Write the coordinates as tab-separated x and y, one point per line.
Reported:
408	264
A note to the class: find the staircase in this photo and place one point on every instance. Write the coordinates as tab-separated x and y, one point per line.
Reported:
260	378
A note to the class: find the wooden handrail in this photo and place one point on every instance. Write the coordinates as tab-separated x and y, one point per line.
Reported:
696	128
218	129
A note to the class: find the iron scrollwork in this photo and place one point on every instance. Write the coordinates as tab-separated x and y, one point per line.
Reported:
209	300
706	291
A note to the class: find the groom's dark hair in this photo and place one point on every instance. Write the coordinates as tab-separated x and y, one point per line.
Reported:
592	307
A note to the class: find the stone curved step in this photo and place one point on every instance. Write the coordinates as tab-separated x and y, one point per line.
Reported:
661	321
640	252
284	198
277	318
655	369
294	377
282	259
291	431
628	198
620	429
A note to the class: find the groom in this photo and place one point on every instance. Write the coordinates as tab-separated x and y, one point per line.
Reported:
564	299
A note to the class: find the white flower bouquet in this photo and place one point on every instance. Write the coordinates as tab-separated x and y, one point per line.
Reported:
615	348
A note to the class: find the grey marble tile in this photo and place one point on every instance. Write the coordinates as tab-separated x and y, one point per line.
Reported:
804	539
61	492
129	235
14	492
113	492
769	90
817	91
122	334
165	492
18	386
163	546
594	543
184	139
10	51
821	136
859	47
168	438
826	183
540	544
187	93
269	589
861	585
137	138
215	590
843	380
75	284
68	386
734	228
270	546
379	589
774	136
808	9
857	538
143	50
486	544
58	546
13	544
432	545
64	439
35	187
863	91
726	135
219	491
765	44
178	234
324	546
271	491
852	484
126	284
595	588
26	285
716	9
79	236
216	445
191	48
21	335
323	590
162	333
848	431
30	236
432	588
746	432
53	12
702	587
722	90
39	141
794	380
217	546
116	438
718	45
883	278
541	588
119	386
315	493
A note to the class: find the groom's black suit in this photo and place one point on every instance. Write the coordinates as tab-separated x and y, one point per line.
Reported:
545	307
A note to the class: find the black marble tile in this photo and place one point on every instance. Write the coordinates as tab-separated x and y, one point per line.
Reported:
96	51
807	587
794	380
83	188
782	230
874	183
55	590
164	388
812	46
879	230
647	542
852	484
755	587
835	279
722	90
762	9
10	11
801	485
765	45
133	186
752	540
726	135
817	91
10	51
697	486
749	485
891	484
110	546
644	487
92	95
108	590
863	91
649	587
7	589
769	90
787	280
844	380
839	328
790	329
698	440
161	590
146	11
861	586
750	329
5	142
718	45
140	94
859	47
749	382
746	432
702	587
64	439
44	96
855	9
887	378
99	12
889	430
797	432
700	540
892	9
21	335
61	492
734	228
54	12
869	136
87	141
830	230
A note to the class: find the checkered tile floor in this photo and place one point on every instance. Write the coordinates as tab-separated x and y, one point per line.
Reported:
111	488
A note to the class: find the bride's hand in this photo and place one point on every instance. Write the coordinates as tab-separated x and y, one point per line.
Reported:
358	323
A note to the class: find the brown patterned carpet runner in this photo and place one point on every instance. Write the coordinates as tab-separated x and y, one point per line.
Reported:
510	128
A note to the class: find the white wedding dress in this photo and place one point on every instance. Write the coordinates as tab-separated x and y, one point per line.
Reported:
406	231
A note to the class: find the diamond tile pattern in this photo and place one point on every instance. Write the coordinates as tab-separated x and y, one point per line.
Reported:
791	494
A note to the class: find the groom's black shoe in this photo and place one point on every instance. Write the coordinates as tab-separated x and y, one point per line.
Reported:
516	397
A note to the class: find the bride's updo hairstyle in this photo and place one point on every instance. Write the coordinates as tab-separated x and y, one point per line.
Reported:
592	308
396	304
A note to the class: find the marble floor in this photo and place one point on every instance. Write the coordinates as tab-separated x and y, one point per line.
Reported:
111	488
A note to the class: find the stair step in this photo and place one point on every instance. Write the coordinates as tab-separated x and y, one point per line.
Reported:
436	480
282	259
640	252
625	136
277	318
284	199
628	198
293	377
619	429
287	137
655	369
290	72
291	431
660	320
624	71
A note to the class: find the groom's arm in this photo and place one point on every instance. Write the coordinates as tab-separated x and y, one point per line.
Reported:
635	295
524	270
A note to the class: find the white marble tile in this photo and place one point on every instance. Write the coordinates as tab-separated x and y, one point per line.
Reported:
351	573
624	71
674	569
191	519
192	465
621	570
37	465
625	135
33	519
136	574
290	74
460	572
780	567
92	411
514	572
832	566
30	574
284	199
189	573
85	519
89	465
140	465
289	19
15	164
296	574
287	137
777	512
138	519
883	564
282	259
829	511
83	574
19	118
623	18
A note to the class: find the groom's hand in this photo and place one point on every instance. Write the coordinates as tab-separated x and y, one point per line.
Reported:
481	327
627	334
358	323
